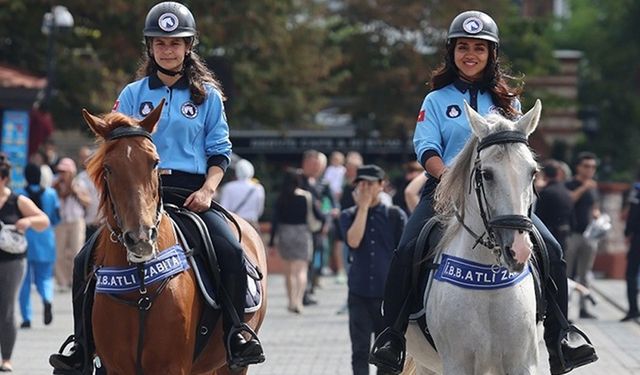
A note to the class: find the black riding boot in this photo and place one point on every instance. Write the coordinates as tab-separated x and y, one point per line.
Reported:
389	349
243	346
78	362
563	357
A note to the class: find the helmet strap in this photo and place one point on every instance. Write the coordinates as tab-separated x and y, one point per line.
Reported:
167	71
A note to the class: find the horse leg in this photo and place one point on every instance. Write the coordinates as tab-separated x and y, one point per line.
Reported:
227	371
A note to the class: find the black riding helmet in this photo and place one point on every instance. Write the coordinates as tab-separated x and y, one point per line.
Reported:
474	24
169	19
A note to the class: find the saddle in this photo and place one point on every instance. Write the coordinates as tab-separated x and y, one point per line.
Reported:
425	261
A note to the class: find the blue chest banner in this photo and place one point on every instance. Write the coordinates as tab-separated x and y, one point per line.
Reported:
122	280
471	275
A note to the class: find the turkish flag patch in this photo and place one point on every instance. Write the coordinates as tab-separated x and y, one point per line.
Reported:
421	116
115	106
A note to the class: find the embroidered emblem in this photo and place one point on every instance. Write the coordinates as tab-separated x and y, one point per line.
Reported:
122	280
453	111
115	106
421	115
189	110
472	25
471	275
146	108
168	22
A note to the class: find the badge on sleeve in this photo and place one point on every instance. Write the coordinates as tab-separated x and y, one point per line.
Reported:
189	110
146	108
115	106
421	115
453	111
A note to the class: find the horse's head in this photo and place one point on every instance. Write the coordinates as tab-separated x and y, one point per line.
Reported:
503	174
124	169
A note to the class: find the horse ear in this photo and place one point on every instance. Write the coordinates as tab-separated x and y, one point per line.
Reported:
149	122
96	124
528	123
478	125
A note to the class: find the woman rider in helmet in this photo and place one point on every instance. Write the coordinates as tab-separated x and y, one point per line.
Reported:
471	71
172	70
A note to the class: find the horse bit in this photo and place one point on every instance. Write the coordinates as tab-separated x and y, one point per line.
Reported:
517	222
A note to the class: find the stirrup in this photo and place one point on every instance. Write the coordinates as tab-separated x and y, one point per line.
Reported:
569	366
239	363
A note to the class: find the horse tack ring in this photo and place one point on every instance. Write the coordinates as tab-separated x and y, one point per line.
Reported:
144	303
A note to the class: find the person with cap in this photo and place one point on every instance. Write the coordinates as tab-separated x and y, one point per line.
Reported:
192	139
372	232
70	232
41	247
20	212
470	72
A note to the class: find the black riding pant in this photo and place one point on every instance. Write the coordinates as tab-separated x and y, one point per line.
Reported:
232	269
398	285
633	265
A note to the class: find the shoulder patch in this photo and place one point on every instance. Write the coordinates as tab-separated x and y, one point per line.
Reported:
115	107
421	115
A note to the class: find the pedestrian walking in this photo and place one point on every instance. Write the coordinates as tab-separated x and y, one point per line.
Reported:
21	213
632	234
372	232
554	206
41	248
244	195
581	250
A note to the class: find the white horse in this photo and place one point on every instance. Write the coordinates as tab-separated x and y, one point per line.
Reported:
484	202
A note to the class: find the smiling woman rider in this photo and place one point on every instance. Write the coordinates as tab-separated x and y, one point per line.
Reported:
470	72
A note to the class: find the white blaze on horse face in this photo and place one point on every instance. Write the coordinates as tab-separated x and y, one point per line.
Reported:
129	149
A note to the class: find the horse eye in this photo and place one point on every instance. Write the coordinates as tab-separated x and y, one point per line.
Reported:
487	175
107	169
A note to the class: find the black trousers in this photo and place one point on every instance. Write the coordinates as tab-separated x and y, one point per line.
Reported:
398	285
633	266
365	319
232	269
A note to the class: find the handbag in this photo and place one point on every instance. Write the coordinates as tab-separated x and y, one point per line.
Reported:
12	241
313	222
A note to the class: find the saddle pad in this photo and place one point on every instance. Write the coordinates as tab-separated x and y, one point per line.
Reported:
253	299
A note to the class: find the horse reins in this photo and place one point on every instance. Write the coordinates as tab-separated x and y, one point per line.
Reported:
517	222
127	132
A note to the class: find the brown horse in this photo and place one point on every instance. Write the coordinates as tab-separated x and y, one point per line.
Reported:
124	168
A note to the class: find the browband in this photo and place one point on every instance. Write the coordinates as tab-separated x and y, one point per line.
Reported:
128	131
506	136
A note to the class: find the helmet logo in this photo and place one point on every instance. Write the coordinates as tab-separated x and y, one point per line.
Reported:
168	22
472	25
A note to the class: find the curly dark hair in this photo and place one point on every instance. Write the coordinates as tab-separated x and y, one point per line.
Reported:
494	79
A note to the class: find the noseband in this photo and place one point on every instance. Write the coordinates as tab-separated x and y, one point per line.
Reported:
127	132
516	222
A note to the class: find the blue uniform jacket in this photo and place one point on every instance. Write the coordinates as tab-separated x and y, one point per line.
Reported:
188	136
42	245
442	125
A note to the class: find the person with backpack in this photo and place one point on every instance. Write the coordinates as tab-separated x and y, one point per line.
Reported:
371	231
41	248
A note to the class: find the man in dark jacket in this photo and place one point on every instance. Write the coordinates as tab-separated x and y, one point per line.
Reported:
554	206
632	232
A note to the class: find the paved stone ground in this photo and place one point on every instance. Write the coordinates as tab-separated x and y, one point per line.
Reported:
317	342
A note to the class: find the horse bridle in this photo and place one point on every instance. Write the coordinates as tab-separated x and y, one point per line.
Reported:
517	222
127	132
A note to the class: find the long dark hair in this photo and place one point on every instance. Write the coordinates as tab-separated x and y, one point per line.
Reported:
195	70
493	79
291	180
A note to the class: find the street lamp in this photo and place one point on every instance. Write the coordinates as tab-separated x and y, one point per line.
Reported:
52	22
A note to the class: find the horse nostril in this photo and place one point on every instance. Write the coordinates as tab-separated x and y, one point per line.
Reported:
511	252
129	239
154	233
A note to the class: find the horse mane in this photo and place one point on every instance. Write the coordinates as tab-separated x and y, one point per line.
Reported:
451	192
94	165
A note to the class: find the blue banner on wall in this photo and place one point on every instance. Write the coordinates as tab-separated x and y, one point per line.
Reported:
15	143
